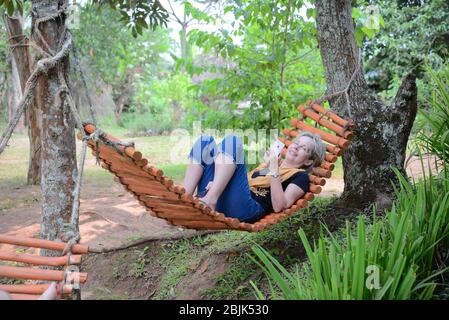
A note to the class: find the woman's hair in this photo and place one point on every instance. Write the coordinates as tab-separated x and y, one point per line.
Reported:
318	152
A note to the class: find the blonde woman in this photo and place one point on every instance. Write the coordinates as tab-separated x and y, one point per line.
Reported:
219	175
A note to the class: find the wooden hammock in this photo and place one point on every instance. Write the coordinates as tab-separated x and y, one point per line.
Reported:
33	291
164	199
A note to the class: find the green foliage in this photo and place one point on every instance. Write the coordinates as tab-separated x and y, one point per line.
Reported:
11	6
401	247
434	134
159	104
413	34
111	57
267	58
138	15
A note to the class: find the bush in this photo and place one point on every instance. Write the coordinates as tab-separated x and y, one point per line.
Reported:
399	248
434	131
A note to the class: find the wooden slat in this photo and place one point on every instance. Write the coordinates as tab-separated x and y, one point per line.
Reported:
38	274
317	180
32	288
337	119
314	188
331	157
320	172
336	151
341	142
150	191
171	214
43	244
310	113
142	182
213	225
309	196
40	260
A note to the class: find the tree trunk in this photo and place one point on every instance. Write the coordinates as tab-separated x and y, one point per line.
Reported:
382	130
15	93
121	99
58	139
21	56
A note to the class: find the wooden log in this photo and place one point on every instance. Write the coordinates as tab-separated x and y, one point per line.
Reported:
187	197
259	226
327	166
194	224
331	157
39	274
166	213
42	244
150	191
153	171
143	182
338	141
337	119
336	151
309	196
40	260
177	189
317	180
32	288
121	172
308	112
156	199
244	226
320	172
314	188
142	163
302	203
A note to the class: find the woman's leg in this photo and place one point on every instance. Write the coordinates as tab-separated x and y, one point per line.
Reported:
224	170
193	175
235	199
201	160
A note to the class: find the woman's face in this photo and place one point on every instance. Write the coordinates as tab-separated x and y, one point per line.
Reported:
300	151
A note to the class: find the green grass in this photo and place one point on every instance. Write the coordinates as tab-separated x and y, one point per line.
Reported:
402	247
181	258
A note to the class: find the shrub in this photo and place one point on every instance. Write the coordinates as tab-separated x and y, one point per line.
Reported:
399	249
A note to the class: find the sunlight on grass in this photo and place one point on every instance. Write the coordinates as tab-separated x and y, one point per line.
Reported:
168	153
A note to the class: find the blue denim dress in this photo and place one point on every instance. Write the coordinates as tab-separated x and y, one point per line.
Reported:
236	200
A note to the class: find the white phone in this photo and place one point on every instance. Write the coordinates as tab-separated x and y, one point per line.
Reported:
277	147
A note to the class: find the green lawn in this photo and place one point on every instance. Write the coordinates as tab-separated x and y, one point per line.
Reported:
168	153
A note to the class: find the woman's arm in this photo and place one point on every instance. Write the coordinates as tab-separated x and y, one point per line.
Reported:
278	199
283	199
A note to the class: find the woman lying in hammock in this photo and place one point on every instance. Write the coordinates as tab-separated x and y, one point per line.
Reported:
225	186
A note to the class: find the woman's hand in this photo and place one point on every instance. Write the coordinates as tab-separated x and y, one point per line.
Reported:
272	159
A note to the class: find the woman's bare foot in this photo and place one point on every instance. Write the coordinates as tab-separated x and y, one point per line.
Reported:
209	201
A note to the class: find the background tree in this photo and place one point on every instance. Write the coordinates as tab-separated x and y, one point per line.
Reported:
116	61
271	62
421	34
22	59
